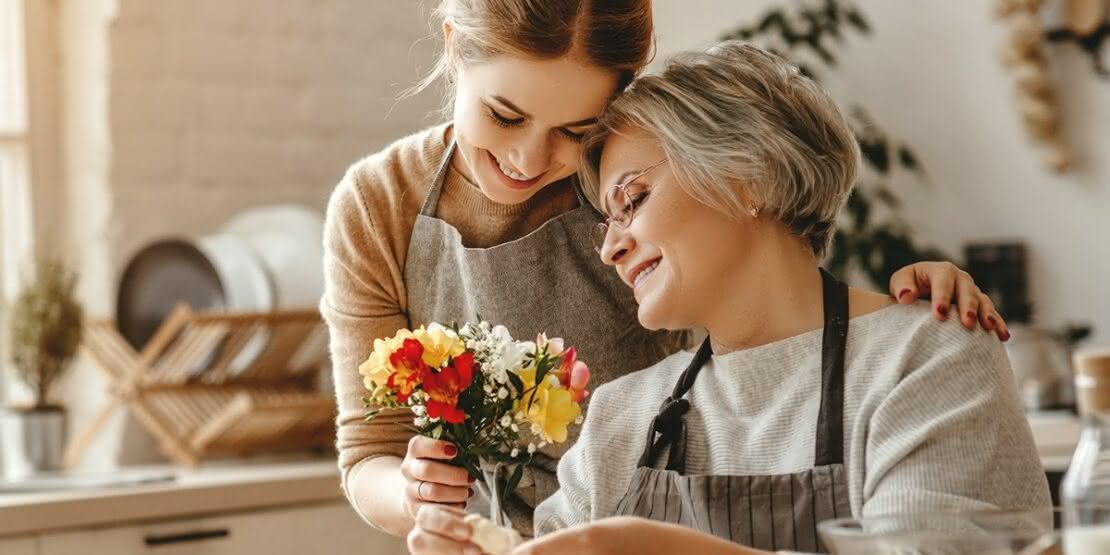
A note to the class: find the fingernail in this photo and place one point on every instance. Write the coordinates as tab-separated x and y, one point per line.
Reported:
991	320
470	493
943	311
451	450
1005	335
902	294
470	479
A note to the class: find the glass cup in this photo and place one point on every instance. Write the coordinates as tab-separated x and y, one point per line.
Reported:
964	533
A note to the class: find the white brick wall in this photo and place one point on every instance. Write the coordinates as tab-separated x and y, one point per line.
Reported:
218	105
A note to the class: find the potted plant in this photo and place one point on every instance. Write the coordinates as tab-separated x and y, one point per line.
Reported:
45	327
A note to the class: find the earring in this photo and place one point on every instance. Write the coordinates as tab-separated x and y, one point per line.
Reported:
754	211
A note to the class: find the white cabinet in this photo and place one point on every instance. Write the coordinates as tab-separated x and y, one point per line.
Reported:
18	546
330	528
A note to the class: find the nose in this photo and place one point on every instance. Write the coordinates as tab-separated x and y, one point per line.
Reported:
618	243
533	155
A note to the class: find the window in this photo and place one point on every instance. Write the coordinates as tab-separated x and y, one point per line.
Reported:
14	150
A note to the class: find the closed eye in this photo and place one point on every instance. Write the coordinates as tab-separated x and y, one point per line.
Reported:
503	121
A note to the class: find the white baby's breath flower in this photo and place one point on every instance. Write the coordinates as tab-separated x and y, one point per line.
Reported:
578	420
419	410
531	448
537	429
515	428
502	393
514	452
542	444
420	421
506	421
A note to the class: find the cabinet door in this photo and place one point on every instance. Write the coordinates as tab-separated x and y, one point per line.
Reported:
18	546
330	528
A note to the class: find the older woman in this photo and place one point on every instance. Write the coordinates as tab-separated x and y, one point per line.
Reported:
722	178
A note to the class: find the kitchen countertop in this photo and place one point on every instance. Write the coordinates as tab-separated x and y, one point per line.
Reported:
212	488
1056	434
220	487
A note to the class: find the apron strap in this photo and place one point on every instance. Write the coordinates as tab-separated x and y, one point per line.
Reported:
670	423
431	200
830	419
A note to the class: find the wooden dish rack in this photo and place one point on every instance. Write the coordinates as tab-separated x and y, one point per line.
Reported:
217	384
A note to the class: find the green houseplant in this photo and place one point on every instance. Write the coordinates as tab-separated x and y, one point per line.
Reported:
871	236
45	326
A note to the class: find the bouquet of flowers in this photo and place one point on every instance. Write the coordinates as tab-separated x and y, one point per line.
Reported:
495	398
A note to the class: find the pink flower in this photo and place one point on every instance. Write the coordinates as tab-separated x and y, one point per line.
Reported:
579	377
574	375
554	345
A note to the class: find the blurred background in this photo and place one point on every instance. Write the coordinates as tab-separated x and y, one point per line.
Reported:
125	123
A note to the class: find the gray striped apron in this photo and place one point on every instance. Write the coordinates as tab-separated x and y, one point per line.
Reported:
550	280
770	512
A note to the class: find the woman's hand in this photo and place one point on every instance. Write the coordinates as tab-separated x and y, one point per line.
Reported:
618	535
442	531
942	281
430	481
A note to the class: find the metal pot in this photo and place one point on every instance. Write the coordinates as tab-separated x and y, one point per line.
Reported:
1041	361
33	441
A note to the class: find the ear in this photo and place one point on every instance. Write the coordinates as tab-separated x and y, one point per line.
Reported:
448	30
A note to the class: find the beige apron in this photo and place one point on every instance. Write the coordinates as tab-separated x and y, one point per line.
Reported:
770	512
550	280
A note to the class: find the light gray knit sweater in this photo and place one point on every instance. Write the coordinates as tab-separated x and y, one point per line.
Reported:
932	421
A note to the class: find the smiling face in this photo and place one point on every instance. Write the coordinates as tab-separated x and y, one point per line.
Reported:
519	122
677	254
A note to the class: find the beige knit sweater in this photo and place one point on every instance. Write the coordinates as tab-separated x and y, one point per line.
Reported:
369	224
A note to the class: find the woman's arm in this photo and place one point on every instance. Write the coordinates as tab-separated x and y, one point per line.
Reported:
361	304
624	534
950	435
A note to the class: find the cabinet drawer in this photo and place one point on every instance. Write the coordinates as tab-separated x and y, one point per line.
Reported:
330	528
18	546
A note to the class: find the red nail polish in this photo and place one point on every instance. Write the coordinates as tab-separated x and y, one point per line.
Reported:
470	479
1005	336
943	311
451	450
902	294
470	493
971	315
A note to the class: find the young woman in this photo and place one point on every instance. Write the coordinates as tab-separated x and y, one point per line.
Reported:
483	215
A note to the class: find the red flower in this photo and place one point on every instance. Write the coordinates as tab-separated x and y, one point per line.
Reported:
443	388
409	368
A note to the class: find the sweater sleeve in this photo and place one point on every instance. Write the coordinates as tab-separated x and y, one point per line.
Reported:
592	469
951	434
361	303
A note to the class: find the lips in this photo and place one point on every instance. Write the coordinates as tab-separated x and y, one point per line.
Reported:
633	276
509	181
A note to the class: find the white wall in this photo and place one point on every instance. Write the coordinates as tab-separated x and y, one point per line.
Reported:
180	113
930	75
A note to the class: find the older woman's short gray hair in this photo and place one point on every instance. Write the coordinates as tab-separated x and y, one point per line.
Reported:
739	124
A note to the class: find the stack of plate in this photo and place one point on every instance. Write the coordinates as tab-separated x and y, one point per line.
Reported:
263	259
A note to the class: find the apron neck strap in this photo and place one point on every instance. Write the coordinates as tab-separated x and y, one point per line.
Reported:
834	340
670	424
431	200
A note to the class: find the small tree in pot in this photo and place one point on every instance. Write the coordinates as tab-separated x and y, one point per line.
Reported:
45	327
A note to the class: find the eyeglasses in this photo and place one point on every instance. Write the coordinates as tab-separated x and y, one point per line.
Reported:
625	196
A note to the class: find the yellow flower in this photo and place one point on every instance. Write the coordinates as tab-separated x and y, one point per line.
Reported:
553	410
439	345
377	368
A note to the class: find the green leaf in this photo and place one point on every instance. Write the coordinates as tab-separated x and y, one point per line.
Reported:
907	158
518	383
437	432
510	486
